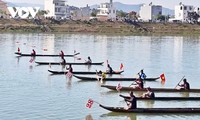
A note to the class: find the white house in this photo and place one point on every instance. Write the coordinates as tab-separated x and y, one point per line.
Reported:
55	8
181	12
106	11
150	12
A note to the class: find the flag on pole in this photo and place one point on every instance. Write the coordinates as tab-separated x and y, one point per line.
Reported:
121	66
162	76
69	74
118	87
89	103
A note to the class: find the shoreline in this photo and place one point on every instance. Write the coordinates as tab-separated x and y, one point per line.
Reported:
98	27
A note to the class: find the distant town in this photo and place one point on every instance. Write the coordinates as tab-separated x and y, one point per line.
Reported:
60	10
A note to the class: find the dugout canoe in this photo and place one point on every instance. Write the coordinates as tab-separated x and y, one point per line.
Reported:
151	110
78	72
112	79
45	55
111	87
72	63
164	98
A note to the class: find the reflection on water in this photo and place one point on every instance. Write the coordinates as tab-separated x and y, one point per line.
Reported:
120	116
88	117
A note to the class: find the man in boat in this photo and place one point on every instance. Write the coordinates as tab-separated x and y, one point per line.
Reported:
33	52
89	61
142	75
63	62
70	69
61	54
110	70
139	84
149	93
101	75
132	101
185	85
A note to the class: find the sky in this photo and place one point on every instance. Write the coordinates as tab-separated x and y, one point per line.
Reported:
81	3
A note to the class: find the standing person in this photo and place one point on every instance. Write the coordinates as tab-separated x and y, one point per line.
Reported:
132	101
33	52
149	93
142	75
62	54
185	85
110	70
70	69
89	60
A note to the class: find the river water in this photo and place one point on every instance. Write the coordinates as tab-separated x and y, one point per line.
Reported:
29	91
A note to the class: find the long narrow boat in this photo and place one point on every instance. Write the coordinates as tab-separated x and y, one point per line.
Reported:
111	87
164	98
112	79
45	55
72	63
152	110
79	72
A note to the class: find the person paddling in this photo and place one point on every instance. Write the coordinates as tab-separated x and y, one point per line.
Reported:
149	93
110	70
33	52
139	84
142	75
63	62
70	69
132	101
185	85
62	54
89	61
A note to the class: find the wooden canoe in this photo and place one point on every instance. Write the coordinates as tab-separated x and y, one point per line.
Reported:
152	110
72	63
153	89
78	72
112	79
45	55
164	98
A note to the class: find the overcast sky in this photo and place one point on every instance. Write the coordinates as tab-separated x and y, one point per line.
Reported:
82	3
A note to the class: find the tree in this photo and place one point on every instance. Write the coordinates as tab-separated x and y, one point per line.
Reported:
193	17
161	17
121	13
94	12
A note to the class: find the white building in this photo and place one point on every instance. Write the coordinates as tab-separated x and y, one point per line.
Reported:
150	12
106	11
181	12
55	8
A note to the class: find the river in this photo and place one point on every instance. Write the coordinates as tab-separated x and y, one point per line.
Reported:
29	91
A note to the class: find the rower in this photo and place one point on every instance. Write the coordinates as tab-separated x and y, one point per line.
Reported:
89	61
139	84
101	75
132	101
149	93
142	75
70	69
62	54
185	85
63	62
110	70
33	52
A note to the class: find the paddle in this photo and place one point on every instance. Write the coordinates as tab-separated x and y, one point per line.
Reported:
179	82
134	81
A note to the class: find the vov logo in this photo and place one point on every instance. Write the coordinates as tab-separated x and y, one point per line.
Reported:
23	12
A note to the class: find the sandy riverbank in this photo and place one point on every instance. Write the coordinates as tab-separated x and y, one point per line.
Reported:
99	27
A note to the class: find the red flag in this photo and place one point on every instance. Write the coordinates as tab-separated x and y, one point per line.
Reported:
162	76
121	66
69	74
118	87
89	103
